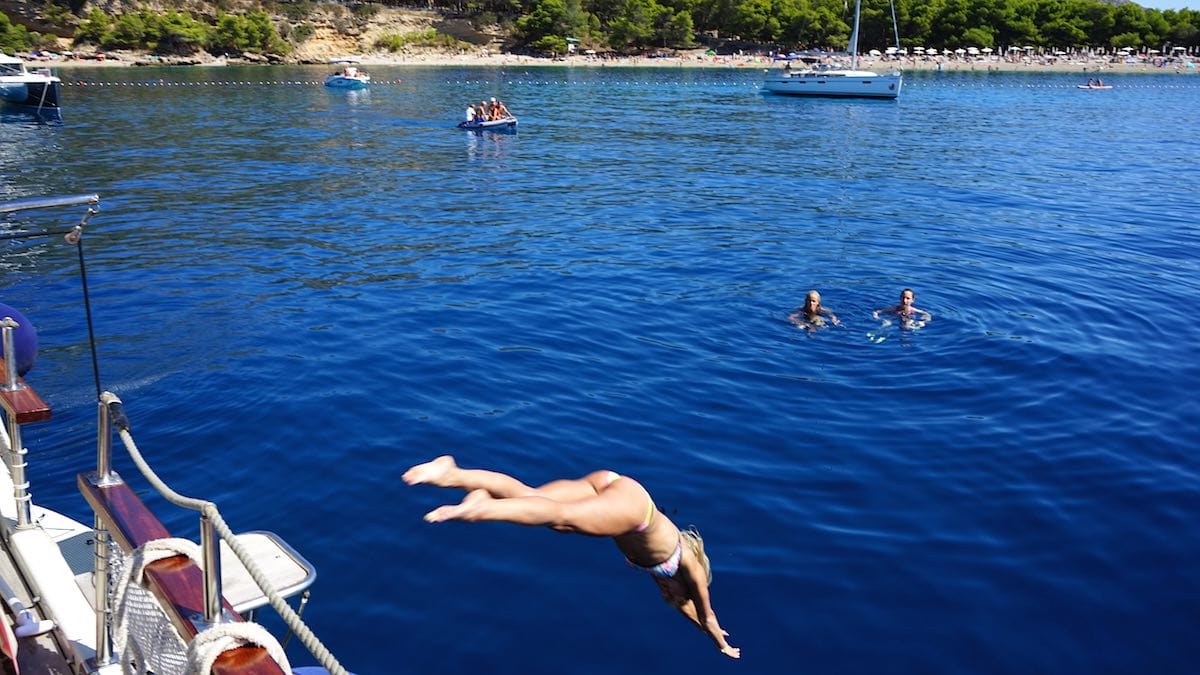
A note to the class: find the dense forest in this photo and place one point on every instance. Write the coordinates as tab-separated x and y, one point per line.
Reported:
627	26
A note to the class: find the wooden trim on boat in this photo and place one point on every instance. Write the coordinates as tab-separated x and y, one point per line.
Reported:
176	582
24	405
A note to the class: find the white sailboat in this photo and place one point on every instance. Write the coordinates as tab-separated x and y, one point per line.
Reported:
825	80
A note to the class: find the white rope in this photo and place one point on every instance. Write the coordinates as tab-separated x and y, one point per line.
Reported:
285	612
135	657
210	643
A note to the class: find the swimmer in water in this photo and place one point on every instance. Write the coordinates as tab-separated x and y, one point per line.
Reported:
910	316
601	504
812	314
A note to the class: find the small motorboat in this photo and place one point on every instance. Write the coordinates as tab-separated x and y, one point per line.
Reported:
1093	86
348	76
509	122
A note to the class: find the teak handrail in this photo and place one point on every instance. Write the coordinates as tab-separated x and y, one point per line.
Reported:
176	582
23	404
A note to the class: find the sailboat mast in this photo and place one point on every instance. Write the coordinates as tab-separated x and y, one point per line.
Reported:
895	26
854	37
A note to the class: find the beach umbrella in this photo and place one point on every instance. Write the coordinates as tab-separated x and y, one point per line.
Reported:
918	50
986	50
972	50
960	50
875	52
932	51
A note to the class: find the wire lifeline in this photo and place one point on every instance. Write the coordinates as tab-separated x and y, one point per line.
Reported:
87	303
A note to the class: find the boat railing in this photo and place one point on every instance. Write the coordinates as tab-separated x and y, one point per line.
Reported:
124	517
187	585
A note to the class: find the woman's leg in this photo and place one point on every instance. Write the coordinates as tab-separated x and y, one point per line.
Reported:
615	511
574	490
443	472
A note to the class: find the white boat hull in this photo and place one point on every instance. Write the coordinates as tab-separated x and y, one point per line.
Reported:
24	89
348	81
835	83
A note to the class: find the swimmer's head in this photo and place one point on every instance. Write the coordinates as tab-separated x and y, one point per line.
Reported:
812	300
906	297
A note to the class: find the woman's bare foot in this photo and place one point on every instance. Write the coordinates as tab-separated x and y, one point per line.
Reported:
433	472
464	510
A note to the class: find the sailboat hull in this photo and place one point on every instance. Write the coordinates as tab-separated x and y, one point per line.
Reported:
835	83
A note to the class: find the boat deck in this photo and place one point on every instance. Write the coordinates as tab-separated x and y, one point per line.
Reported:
39	654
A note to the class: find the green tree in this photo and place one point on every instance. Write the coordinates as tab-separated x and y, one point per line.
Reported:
634	26
756	20
1063	33
1016	25
1129	24
978	37
14	38
547	20
128	32
179	33
254	33
676	28
94	28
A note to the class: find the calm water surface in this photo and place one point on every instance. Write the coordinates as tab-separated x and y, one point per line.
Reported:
299	293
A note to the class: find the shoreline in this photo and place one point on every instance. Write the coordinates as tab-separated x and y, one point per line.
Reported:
707	62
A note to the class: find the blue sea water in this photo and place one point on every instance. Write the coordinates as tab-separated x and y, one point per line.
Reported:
299	293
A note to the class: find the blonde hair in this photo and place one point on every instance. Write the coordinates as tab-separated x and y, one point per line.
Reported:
695	542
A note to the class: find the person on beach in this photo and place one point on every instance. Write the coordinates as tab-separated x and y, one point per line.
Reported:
601	504
911	316
812	314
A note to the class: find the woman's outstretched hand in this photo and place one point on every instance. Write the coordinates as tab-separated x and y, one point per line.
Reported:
719	634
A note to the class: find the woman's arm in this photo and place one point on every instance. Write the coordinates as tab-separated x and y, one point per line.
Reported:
831	315
693	577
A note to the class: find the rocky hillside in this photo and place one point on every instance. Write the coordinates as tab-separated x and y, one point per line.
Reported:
315	31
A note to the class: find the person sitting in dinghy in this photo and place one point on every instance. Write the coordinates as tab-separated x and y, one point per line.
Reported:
601	504
499	111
